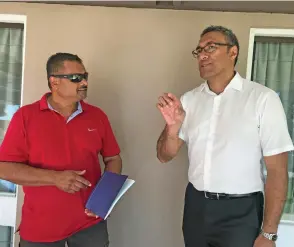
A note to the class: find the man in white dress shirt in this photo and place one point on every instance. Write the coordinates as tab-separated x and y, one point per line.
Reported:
229	125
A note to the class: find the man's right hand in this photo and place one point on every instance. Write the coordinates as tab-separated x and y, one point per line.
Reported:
171	109
169	143
70	181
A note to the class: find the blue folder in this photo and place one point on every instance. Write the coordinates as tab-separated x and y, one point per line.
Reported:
105	192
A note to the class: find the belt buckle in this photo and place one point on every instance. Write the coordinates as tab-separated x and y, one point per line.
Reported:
206	195
212	197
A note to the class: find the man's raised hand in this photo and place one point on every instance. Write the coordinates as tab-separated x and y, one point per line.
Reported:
171	109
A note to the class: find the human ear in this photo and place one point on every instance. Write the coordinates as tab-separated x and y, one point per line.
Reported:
233	53
54	82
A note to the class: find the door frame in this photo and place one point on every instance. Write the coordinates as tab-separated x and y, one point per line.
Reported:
268	32
10	203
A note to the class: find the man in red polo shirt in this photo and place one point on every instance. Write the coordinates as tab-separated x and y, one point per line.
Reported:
51	147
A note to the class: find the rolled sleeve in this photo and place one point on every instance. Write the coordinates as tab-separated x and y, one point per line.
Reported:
110	146
14	146
274	133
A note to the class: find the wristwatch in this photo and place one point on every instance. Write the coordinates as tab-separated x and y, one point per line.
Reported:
269	236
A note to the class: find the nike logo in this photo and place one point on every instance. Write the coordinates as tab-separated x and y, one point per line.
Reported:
91	129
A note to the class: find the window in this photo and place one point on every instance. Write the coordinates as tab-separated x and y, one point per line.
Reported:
6	236
271	63
11	75
11	45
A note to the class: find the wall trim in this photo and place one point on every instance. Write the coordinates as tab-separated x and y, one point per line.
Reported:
265	32
268	32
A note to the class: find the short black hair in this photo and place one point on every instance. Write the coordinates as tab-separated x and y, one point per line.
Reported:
228	33
55	62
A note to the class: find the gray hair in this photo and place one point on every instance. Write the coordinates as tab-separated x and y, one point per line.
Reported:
228	33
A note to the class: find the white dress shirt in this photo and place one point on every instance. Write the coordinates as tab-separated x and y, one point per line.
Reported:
228	134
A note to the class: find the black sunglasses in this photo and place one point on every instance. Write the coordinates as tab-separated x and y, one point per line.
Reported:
75	78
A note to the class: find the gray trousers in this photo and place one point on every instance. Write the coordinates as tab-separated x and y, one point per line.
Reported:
94	236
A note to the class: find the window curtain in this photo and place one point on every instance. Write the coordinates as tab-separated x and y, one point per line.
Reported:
11	50
273	67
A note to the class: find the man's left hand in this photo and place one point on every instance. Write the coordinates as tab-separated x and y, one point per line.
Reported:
263	242
90	213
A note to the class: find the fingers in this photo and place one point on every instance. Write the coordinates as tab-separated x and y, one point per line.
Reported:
90	214
168	99
172	97
77	186
159	106
80	172
164	100
70	191
71	181
78	182
73	187
82	180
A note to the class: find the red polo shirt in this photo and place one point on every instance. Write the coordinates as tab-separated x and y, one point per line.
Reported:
40	137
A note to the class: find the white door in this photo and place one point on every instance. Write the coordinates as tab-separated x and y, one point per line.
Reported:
12	30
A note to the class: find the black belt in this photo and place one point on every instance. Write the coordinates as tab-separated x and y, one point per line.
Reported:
223	196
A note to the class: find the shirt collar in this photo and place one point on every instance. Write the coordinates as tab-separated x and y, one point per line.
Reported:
236	83
79	107
44	104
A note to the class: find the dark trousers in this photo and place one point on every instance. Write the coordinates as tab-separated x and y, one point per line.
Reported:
94	236
221	223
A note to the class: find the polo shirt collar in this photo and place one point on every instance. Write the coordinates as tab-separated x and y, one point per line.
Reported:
44	105
79	107
236	83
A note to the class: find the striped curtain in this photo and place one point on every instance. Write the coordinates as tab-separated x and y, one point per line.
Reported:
11	50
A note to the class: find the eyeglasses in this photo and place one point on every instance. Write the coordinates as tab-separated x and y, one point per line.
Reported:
209	48
75	78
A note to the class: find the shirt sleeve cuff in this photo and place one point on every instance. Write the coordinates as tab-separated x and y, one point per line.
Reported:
278	150
111	154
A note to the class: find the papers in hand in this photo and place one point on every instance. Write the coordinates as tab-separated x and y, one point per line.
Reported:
108	191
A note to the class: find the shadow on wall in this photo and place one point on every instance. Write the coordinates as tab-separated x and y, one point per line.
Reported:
105	95
127	91
159	188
